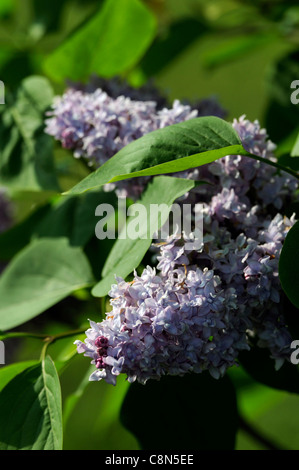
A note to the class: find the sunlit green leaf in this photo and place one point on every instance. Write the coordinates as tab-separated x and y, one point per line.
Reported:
127	253
171	149
41	275
30	410
26	152
111	42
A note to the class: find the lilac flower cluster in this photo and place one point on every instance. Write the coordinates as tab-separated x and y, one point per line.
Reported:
168	324
204	306
98	119
96	126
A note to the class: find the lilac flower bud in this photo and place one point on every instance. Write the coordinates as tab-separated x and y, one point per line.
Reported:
101	342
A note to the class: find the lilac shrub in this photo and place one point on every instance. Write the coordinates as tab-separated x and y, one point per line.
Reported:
199	308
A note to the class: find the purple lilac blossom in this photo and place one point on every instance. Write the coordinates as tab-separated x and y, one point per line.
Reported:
204	306
98	119
96	126
173	324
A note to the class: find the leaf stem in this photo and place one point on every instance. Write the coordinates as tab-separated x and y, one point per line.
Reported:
17	334
47	338
274	164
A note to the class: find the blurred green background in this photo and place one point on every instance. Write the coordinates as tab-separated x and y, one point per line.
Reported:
242	52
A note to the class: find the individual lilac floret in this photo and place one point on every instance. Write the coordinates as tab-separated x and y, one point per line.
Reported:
174	324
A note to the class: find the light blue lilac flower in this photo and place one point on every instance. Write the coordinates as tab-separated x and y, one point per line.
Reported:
98	119
173	324
250	267
204	305
96	126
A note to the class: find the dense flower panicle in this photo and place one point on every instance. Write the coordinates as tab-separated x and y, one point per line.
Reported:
202	306
201	309
96	126
250	267
98	119
183	322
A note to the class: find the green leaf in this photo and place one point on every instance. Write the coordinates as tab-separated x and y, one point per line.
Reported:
168	46
110	43
193	412
41	275
16	238
233	48
127	253
295	149
174	148
288	265
72	399
26	152
7	373
6	7
30	410
72	217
